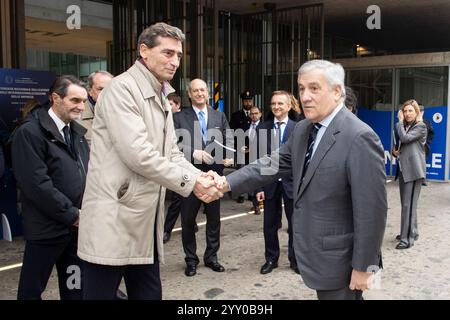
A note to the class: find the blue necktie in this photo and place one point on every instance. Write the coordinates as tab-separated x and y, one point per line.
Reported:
203	126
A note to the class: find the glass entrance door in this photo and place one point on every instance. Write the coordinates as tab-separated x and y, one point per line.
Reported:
382	91
375	91
429	87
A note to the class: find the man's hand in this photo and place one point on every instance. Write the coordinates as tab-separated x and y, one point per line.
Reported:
260	196
203	156
228	162
220	182
77	223
361	280
205	189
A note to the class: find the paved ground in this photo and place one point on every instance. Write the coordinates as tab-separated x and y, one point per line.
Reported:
421	272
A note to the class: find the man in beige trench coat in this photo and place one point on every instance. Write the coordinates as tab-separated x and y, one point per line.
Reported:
134	158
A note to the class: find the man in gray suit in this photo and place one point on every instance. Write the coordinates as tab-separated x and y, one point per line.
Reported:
197	128
340	203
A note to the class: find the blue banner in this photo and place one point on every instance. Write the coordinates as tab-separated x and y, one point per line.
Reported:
17	87
380	122
438	117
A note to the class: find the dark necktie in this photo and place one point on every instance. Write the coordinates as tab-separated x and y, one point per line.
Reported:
68	138
309	152
279	132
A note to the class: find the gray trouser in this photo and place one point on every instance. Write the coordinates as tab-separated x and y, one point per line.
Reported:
409	196
341	294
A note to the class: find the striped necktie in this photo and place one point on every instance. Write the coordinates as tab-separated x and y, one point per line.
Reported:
311	142
203	125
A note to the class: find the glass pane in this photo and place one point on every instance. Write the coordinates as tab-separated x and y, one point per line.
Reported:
375	107
429	86
373	88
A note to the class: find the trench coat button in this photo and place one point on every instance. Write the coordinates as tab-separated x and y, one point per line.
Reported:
183	184
186	177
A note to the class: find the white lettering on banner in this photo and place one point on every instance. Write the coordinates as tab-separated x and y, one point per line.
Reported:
74	21
436	161
388	157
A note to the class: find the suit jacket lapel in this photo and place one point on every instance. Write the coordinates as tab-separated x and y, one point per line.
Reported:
303	147
212	115
289	128
327	141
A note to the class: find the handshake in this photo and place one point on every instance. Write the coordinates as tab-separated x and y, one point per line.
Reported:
210	187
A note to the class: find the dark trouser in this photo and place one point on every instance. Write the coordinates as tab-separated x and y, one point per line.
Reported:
252	198
341	294
189	211
409	196
173	212
101	282
39	258
272	209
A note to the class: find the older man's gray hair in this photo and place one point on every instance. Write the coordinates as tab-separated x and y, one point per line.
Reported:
91	77
334	72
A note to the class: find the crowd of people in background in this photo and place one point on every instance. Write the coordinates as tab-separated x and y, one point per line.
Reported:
94	163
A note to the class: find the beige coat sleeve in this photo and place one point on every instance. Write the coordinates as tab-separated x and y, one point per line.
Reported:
130	137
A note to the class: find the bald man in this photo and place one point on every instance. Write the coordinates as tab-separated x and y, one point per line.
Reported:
201	122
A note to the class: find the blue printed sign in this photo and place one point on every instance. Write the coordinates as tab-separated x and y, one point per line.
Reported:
380	122
438	117
17	87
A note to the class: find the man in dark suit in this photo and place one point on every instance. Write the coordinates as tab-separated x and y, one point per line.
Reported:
250	142
340	202
198	128
175	206
278	131
241	120
50	159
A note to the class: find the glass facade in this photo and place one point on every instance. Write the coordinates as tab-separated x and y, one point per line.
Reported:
382	91
64	63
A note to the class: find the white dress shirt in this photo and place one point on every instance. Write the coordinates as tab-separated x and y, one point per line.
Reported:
283	126
325	124
59	123
205	111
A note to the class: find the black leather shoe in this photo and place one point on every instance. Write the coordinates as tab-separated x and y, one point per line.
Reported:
402	245
241	199
166	237
398	238
191	270
215	266
256	210
268	267
294	267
